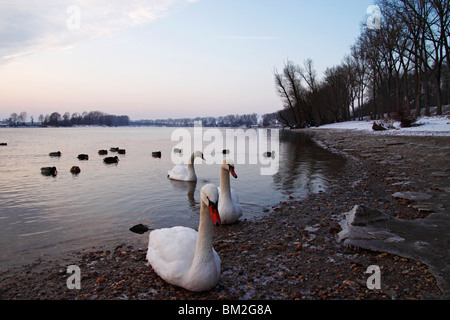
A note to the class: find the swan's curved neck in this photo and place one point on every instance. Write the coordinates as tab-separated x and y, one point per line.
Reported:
190	166
191	160
225	183
203	248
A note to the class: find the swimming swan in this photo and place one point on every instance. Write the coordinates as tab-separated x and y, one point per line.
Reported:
185	173
229	207
185	257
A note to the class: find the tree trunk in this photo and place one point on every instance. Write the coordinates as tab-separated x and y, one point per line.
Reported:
425	96
417	89
438	94
406	107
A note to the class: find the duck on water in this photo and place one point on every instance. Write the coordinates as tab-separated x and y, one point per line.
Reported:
49	171
114	159
55	154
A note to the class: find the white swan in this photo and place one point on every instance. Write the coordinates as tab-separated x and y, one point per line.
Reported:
229	207
185	173
185	258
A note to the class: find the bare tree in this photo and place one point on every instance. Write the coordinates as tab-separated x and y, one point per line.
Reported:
13	119
54	119
66	119
22	117
425	26
437	32
289	88
361	74
402	63
311	109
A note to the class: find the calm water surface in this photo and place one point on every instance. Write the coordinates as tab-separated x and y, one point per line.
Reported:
44	216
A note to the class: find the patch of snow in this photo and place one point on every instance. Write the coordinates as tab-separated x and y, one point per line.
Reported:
435	125
312	228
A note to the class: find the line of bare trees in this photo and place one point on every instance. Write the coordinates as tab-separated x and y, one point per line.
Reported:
86	119
231	120
16	119
395	68
66	120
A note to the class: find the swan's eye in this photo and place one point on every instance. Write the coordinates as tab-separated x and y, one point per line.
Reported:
210	203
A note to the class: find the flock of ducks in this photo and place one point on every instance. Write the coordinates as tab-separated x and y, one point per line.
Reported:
52	171
180	255
184	257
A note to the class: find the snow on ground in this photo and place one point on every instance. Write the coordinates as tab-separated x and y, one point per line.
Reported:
435	125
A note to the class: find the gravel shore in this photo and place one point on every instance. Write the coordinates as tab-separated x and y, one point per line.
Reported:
290	254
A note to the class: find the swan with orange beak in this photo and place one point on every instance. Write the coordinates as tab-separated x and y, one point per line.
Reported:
230	209
185	257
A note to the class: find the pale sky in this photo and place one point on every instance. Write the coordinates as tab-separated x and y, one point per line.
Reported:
153	59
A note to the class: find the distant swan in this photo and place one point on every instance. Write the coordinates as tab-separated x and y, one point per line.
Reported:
229	207
185	173
83	156
185	257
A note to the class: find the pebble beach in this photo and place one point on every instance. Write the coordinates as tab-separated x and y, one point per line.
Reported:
293	252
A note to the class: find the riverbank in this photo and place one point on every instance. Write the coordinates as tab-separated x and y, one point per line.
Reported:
293	252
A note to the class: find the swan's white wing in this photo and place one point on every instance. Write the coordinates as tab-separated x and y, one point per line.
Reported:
217	261
178	172
171	251
236	204
234	196
229	211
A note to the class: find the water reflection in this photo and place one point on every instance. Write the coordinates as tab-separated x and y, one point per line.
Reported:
304	166
188	187
46	214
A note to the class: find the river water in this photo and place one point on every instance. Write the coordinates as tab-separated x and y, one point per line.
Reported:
45	216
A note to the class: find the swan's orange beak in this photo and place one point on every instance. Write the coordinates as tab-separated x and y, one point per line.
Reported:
215	217
232	172
203	157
